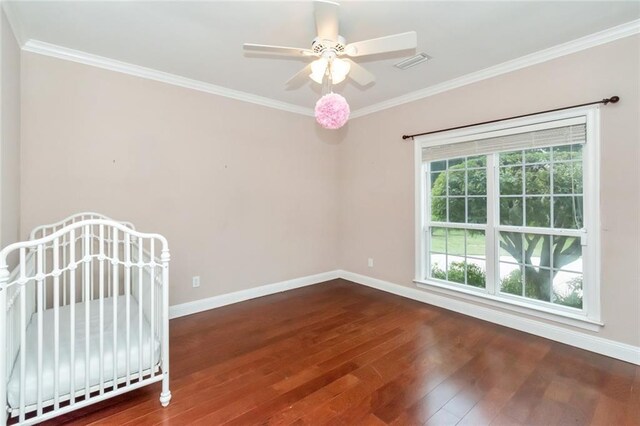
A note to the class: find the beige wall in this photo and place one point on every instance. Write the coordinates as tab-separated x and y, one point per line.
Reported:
246	195
377	174
10	136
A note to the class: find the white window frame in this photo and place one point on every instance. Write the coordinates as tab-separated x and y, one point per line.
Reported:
590	316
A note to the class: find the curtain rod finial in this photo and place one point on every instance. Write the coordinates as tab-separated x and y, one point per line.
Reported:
405	137
614	99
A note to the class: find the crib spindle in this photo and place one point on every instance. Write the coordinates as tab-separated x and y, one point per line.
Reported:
152	284
114	276
72	315
44	269
101	296
40	303
87	307
91	251
82	271
127	294
110	255
56	323
23	332
140	304
64	274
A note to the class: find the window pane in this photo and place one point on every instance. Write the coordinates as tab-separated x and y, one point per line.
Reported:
567	152
537	155
538	212
537	250
511	279
476	243
510	158
455	242
567	253
456	209
528	269
439	209
567	289
460	162
511	247
537	283
456	182
476	273
477	210
438	240
511	211
478	161
567	212
477	182
438	266
438	165
438	182
537	179
511	180
458	256
456	269
567	178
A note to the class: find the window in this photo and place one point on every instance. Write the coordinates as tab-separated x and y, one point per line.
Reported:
505	212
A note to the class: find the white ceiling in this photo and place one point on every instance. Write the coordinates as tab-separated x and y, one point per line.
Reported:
203	40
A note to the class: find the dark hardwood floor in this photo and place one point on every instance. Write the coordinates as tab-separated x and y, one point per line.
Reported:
340	353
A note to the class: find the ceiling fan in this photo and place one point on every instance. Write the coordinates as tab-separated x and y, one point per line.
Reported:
329	48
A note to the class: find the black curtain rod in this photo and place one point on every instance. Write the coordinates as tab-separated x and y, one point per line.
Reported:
613	100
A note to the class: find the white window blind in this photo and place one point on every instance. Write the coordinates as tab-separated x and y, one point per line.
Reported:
563	133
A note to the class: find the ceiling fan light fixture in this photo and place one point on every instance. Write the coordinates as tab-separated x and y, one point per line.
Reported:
339	70
318	69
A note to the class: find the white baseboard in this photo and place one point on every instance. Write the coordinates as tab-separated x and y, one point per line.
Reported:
196	306
578	339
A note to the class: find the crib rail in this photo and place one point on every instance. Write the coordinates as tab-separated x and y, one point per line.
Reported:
44	230
84	270
64	243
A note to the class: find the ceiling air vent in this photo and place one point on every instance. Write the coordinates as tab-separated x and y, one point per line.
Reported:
412	61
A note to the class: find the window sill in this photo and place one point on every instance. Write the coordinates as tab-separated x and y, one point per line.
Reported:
565	318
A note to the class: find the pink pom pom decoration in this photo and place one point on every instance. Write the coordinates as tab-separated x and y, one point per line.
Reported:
332	111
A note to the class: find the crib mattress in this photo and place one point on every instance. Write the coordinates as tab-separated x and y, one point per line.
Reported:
64	366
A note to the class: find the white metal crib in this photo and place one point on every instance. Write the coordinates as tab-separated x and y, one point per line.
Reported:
83	317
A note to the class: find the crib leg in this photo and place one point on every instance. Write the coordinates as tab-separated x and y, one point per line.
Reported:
165	396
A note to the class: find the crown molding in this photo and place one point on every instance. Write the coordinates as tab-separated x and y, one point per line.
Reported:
611	34
55	51
35	46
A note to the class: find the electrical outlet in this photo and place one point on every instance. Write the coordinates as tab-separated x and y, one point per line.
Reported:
370	262
195	281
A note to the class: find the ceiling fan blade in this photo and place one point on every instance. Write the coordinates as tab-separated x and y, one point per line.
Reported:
326	13
300	78
278	50
390	43
359	74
